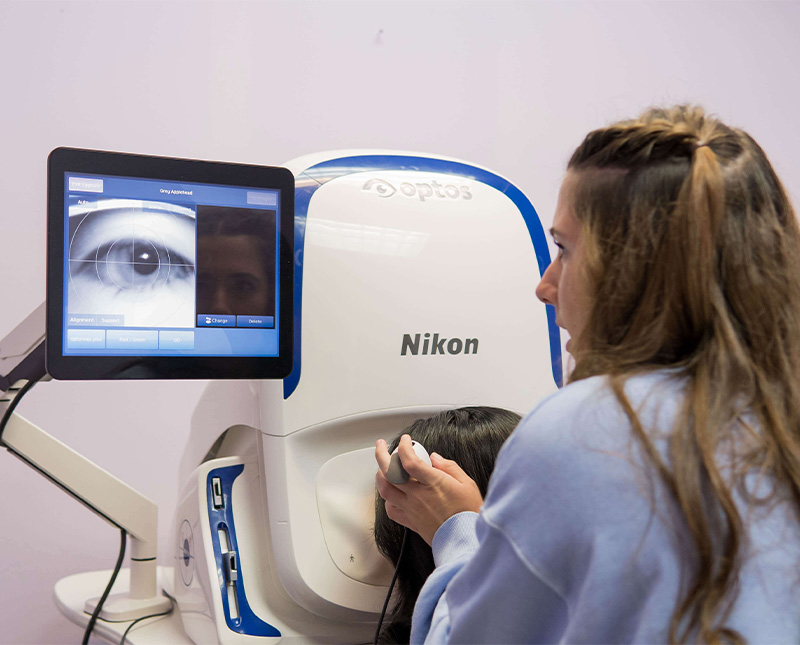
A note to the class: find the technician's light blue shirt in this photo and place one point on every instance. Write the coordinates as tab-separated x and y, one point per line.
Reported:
579	542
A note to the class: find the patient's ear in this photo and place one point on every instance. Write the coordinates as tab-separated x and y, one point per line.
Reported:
346	503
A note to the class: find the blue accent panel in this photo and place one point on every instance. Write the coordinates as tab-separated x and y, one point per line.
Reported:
305	187
312	178
247	622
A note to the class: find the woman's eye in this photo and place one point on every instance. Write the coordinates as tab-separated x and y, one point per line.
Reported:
243	285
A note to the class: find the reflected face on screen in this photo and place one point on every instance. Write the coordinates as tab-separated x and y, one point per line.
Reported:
134	259
233	278
236	257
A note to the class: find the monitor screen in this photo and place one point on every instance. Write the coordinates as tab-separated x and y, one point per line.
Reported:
168	268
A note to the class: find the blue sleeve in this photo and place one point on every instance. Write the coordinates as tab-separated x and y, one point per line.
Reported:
486	594
493	597
453	544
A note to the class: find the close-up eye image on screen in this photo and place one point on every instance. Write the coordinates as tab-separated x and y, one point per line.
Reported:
131	263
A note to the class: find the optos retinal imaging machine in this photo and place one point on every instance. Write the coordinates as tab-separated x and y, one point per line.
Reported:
330	302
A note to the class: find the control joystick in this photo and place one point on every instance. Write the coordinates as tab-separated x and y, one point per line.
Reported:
396	473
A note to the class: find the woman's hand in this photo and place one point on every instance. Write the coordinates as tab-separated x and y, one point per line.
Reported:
431	496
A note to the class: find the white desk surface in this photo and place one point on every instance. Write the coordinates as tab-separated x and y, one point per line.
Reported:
71	593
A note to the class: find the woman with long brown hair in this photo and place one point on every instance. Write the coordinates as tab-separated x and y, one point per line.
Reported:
656	497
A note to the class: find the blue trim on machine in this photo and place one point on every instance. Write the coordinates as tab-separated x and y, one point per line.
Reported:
307	183
247	623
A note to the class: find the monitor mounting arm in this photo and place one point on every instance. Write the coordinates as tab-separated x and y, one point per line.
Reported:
22	358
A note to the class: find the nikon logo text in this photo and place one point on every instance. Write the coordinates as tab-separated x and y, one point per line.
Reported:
426	344
421	189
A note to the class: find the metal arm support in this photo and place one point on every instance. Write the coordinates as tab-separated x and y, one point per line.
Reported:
22	356
109	497
22	352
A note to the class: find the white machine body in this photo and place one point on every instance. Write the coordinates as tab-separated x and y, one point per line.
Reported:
415	280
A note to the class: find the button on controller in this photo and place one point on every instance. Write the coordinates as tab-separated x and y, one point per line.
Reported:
396	473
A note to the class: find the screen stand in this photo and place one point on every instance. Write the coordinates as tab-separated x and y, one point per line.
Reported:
112	499
97	489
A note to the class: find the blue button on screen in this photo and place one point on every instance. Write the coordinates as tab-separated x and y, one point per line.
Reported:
176	339
255	321
86	338
81	319
216	320
111	321
137	339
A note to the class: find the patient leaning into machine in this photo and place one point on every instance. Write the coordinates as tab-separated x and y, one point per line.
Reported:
470	436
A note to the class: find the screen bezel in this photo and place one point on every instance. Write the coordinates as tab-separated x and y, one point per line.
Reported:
72	367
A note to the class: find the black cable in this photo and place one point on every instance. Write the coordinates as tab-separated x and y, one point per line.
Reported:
123	535
123	538
14	402
163	613
391	586
93	619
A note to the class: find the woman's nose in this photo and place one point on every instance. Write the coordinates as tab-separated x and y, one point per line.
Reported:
220	302
547	290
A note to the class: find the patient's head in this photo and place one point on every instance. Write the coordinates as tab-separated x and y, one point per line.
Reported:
469	436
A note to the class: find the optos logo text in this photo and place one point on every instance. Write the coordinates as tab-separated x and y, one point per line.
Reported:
422	190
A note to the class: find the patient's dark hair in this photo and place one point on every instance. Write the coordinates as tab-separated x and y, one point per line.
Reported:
471	437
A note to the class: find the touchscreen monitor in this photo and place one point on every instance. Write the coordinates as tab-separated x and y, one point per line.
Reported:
163	268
